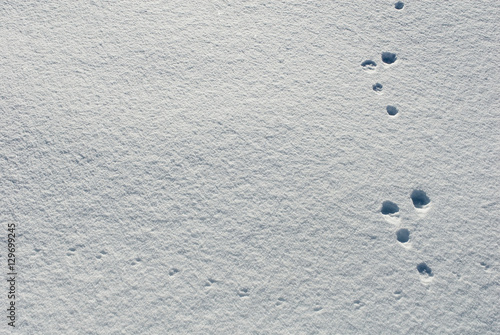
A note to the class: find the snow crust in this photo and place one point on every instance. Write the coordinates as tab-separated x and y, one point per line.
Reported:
220	167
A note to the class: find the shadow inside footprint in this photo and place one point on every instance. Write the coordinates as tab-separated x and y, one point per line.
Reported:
426	275
419	198
399	5
423	269
484	265
391	110
244	292
389	207
369	65
389	57
377	87
403	235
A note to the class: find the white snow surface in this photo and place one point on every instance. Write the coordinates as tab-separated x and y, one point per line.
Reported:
219	167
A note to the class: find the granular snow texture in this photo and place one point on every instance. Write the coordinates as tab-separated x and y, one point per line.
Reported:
220	167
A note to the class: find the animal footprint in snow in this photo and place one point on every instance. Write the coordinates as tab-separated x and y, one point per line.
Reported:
243	292
390	211
102	253
399	5
389	57
421	202
391	110
426	275
369	65
484	265
71	251
136	261
210	282
358	304
280	301
377	88
403	237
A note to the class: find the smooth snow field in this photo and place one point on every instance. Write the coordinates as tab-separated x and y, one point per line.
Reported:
251	167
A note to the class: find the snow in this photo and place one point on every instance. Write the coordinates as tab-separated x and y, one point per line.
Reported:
220	167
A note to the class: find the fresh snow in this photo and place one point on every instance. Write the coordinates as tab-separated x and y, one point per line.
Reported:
251	167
